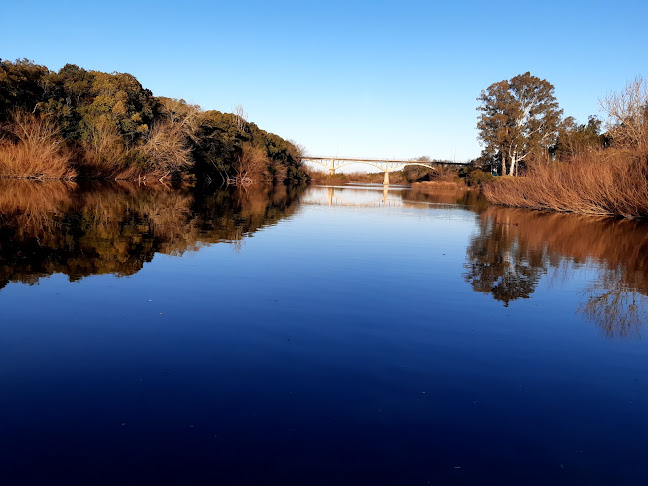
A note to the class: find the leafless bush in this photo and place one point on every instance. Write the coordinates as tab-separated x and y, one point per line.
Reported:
628	115
32	148
166	149
250	167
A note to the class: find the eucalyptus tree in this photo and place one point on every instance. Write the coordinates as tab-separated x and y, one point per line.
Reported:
518	117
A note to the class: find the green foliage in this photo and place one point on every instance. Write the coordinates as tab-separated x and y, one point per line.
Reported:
575	139
109	118
518	118
83	100
22	86
220	140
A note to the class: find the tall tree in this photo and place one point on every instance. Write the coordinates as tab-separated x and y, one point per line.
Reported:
518	117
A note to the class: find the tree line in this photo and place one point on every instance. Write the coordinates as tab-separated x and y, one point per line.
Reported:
91	124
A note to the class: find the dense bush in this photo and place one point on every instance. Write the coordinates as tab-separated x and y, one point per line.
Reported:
109	126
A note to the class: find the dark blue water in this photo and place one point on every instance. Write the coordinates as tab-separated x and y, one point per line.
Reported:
345	337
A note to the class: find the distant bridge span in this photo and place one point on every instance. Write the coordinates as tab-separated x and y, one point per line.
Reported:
384	165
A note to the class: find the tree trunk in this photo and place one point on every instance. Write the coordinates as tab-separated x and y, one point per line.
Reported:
503	164
513	164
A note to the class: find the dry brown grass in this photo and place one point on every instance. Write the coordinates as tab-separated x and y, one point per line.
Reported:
33	149
609	183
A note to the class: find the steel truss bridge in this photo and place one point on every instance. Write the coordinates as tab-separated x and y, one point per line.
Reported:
384	165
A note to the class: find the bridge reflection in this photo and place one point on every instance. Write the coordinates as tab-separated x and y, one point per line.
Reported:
369	195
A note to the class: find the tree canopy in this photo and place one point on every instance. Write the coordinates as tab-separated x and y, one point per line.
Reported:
518	117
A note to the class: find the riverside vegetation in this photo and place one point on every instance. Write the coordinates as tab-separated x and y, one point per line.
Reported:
565	166
76	123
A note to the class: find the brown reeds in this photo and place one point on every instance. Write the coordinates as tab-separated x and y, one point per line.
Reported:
609	183
32	148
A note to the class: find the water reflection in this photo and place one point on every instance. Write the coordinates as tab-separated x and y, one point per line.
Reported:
54	227
514	248
377	195
57	227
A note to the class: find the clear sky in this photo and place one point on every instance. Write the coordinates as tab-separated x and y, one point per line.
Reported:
358	78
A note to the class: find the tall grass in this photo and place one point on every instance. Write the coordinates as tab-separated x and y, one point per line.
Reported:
609	183
32	148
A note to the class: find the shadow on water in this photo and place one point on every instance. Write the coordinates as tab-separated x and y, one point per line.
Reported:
514	248
56	227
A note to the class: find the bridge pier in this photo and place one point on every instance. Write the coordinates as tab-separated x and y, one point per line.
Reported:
331	171
386	181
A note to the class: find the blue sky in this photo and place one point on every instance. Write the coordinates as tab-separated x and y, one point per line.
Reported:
358	78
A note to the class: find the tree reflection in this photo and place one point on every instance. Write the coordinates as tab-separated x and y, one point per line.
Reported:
616	308
514	248
53	227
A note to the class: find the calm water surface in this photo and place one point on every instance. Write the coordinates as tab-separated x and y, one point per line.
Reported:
327	336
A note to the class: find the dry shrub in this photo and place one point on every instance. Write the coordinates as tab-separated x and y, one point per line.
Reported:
104	152
163	153
610	183
446	173
166	150
33	149
250	167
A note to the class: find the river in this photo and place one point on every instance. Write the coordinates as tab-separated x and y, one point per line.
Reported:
318	336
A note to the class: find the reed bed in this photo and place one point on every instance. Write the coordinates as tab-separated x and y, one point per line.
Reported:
612	183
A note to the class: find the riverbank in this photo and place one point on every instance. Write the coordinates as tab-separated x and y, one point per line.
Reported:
613	183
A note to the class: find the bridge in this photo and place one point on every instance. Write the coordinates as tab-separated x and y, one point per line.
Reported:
384	165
